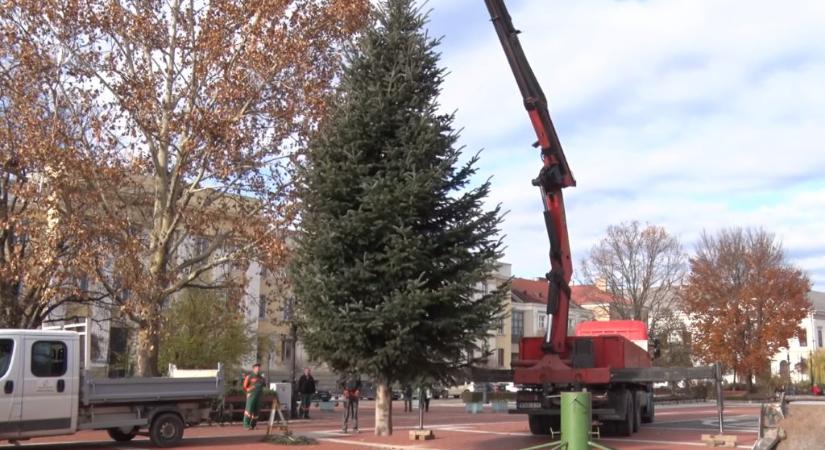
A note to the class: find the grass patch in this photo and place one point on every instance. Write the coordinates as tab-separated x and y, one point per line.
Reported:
290	439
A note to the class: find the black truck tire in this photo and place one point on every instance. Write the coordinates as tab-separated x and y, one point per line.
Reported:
638	400
166	430
650	410
625	427
540	425
118	435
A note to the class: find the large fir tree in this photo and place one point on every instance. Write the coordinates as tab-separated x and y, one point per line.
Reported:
394	240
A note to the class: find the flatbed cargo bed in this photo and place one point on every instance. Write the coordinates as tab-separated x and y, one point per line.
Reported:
116	391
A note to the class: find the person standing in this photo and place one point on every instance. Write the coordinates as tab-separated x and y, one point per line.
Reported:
306	387
428	394
352	394
253	386
408	395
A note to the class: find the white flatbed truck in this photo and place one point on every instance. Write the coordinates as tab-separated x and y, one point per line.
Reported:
43	393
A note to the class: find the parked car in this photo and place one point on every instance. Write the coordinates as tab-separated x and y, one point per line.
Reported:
368	390
456	391
322	396
505	387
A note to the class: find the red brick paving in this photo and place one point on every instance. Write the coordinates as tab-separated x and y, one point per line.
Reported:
454	429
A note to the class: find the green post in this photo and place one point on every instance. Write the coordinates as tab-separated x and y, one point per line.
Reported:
576	423
576	420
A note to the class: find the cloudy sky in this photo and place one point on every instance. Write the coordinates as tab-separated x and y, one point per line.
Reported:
693	115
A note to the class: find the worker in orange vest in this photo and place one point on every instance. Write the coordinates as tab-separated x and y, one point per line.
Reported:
253	386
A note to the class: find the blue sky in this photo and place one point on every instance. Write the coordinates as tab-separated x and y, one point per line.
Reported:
694	115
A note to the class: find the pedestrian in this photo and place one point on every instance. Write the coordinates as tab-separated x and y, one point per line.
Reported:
352	394
408	395
253	386
306	387
428	394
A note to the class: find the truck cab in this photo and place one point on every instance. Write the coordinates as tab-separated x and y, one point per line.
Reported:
39	375
45	393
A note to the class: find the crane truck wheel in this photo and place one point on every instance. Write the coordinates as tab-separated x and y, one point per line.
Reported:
624	427
166	430
121	435
649	410
638	400
541	425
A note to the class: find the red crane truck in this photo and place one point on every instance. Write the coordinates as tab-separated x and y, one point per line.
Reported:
609	364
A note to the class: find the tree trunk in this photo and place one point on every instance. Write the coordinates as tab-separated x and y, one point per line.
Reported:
750	382
383	410
148	346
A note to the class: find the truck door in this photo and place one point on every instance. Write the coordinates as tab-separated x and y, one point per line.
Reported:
11	385
48	390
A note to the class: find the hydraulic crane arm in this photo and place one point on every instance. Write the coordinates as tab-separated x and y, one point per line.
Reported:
553	177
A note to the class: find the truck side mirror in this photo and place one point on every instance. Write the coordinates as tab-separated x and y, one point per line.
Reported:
657	350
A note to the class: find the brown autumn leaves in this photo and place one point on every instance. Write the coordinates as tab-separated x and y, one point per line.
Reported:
745	300
148	147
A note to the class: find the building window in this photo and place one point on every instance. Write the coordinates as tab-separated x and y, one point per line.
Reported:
500	327
49	359
288	309
262	307
542	318
500	356
819	336
200	247
518	323
513	356
803	337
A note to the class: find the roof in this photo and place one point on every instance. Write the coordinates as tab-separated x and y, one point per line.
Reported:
530	291
817	300
536	291
588	294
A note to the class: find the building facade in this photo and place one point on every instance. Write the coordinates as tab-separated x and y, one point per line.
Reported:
792	361
529	311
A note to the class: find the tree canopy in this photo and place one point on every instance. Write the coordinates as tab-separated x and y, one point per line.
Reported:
745	299
203	329
394	237
641	267
190	116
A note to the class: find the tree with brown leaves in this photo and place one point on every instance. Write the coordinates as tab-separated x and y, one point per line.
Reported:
194	113
641	267
744	298
45	249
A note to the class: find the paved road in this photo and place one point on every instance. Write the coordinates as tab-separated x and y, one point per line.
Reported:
677	427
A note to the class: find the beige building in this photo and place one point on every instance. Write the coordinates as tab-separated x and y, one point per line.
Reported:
499	344
529	310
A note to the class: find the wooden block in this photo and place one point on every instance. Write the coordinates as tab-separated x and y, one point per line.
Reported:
421	435
719	440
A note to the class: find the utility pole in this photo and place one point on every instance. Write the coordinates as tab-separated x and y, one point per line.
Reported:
293	403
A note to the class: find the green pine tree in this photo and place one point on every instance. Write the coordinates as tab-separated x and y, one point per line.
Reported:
395	239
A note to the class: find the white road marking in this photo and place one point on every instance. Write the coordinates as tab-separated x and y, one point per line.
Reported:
497	433
654	441
375	445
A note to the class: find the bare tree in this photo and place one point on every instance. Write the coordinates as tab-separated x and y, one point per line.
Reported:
196	110
641	267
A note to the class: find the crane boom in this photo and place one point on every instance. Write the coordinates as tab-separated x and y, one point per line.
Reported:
555	175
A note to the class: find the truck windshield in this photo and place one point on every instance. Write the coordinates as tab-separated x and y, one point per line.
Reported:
6	349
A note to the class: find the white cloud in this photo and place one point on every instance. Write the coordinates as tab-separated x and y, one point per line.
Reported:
689	114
